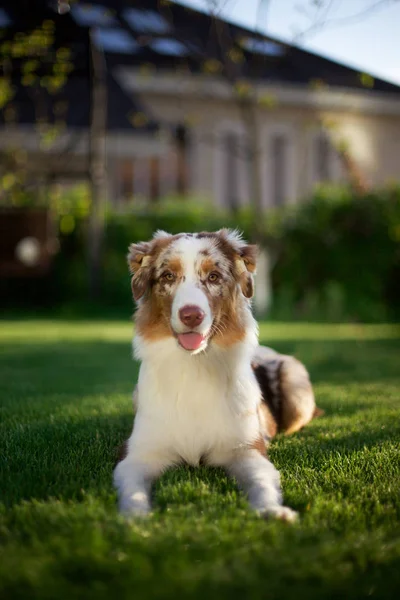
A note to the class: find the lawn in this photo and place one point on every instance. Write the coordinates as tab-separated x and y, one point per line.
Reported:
65	390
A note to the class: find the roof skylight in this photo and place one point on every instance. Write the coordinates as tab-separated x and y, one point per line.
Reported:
92	15
115	40
146	21
169	46
5	20
260	46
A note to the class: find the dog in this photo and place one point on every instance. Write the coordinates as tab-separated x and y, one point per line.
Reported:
207	392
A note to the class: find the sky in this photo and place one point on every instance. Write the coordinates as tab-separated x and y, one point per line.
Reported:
370	42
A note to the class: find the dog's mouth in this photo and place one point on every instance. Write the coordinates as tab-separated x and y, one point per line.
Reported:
191	341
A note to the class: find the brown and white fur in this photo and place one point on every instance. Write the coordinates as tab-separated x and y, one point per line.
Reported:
206	391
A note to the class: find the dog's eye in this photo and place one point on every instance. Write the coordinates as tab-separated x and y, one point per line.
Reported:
168	276
213	277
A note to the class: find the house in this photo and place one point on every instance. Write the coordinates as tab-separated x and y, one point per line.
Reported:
52	126
194	99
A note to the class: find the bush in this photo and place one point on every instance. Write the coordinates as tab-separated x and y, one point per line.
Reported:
135	224
337	257
340	257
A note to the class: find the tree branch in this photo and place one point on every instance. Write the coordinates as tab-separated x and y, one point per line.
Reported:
322	23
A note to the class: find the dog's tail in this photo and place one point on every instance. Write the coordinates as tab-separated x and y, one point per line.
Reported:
288	397
318	412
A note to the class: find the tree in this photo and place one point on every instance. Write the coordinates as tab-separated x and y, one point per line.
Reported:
98	131
30	61
319	16
36	65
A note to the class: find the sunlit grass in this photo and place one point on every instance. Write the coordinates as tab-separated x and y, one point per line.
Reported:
32	331
65	390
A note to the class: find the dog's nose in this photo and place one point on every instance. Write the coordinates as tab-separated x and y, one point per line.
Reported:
191	316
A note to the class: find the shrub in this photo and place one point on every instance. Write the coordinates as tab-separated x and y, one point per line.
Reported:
340	256
134	224
337	257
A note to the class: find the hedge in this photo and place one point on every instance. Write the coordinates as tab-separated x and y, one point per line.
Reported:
336	257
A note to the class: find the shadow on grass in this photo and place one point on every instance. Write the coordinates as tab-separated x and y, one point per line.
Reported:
68	460
344	444
102	361
68	407
67	369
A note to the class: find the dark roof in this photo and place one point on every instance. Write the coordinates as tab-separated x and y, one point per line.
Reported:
71	106
266	57
72	103
167	35
164	35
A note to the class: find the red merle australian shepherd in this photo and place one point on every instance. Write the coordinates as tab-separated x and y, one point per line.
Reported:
206	391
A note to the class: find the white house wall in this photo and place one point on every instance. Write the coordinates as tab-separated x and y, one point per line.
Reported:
119	143
373	139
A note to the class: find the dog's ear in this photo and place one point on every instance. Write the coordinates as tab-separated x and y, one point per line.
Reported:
246	267
140	264
245	259
141	261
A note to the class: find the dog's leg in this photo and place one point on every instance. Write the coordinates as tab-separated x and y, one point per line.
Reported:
133	479
259	479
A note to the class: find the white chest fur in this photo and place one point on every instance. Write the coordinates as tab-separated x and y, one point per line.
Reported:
194	406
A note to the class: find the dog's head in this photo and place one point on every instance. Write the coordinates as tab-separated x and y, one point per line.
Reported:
194	287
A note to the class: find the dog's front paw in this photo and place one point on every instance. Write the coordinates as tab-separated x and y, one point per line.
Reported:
136	505
282	513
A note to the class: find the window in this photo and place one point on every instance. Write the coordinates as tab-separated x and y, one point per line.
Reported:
169	46
92	15
141	178
323	157
125	176
231	150
231	165
182	143
146	21
279	165
260	46
115	40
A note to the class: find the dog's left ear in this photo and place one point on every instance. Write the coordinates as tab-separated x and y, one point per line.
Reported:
246	267
140	267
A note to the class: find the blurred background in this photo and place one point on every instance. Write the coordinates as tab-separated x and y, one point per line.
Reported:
120	117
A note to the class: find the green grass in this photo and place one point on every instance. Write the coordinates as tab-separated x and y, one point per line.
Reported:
65	392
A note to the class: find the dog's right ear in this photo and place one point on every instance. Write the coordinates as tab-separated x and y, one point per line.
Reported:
140	264
245	259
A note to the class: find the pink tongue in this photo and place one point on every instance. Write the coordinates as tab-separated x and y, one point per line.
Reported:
190	341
